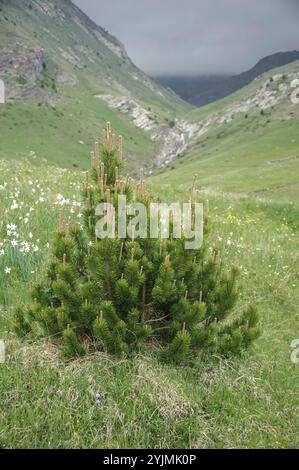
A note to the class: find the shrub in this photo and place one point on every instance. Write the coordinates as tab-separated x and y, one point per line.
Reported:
115	294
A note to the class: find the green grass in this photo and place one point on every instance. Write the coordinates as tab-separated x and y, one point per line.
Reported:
247	402
258	156
255	154
54	133
248	169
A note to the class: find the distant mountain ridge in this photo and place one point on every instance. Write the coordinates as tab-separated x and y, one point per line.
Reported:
203	90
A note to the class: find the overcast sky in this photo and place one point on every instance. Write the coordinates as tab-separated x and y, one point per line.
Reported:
189	37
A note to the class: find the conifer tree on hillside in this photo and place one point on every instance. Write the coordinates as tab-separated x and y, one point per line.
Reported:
114	294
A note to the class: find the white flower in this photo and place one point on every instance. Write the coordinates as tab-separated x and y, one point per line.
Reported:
30	235
2	252
11	227
60	200
14	206
14	243
7	270
25	247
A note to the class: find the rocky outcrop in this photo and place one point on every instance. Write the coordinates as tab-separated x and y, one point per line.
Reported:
20	68
67	78
50	9
174	137
271	93
115	46
69	55
22	61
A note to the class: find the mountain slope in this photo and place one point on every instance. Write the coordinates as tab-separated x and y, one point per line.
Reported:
201	91
55	61
247	142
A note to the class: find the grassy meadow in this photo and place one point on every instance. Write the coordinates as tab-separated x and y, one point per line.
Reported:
256	154
248	170
64	133
104	402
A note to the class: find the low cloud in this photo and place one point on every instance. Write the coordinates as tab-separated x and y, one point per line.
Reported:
198	36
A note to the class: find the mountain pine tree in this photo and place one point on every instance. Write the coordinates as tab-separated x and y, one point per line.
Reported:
113	294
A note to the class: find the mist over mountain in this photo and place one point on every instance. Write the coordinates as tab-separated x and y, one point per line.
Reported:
202	90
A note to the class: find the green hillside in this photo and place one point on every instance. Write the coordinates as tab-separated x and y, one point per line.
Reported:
245	151
257	152
285	71
54	61
64	134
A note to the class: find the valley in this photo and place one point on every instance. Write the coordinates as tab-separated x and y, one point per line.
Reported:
65	77
246	143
